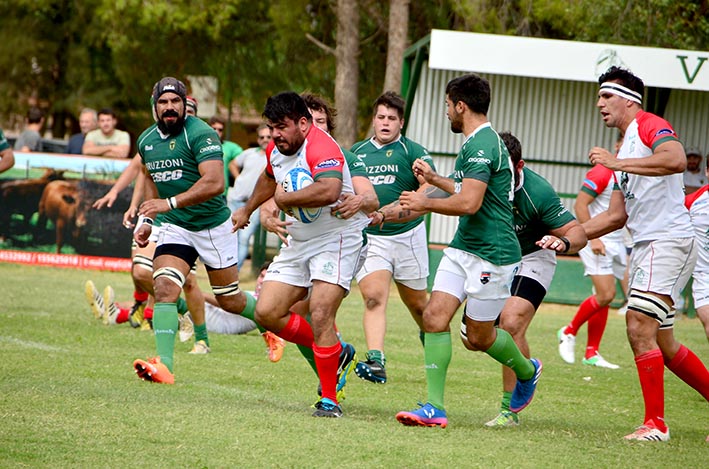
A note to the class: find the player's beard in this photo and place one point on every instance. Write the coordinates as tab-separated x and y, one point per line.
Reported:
290	148
456	123
172	128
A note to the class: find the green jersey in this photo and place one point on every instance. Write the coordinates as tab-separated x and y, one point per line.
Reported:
389	168
173	163
537	210
489	233
354	163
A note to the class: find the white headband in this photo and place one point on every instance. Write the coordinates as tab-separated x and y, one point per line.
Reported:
620	90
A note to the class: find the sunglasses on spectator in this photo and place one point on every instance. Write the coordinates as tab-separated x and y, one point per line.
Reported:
219	129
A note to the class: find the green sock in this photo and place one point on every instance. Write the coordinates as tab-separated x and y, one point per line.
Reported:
377	356
165	325
181	306
309	356
200	333
505	351
506	397
250	310
437	356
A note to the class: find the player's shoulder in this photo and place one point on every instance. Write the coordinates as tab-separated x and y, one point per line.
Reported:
146	135
412	146
536	182
359	146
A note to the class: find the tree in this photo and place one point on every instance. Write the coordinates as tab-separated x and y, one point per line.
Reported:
347	74
398	40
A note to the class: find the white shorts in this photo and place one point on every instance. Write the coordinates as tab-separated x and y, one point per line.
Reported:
404	255
332	258
700	289
540	266
662	266
224	322
486	286
216	247
613	263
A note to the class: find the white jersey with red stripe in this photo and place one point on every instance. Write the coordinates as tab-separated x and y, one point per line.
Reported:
698	205
599	183
322	157
655	204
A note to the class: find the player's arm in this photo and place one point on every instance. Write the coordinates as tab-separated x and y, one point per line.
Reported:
395	213
127	176
466	201
364	199
606	222
567	239
323	191
667	158
583	200
271	220
424	171
7	159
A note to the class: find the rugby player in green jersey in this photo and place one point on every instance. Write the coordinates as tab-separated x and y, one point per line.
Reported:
541	221
396	250
481	260
183	157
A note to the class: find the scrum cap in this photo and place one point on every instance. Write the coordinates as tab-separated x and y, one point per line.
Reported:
169	85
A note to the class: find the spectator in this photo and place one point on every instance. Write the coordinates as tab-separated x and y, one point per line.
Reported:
29	139
7	158
247	167
88	121
231	150
694	177
107	140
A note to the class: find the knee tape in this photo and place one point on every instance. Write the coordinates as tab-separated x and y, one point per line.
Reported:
649	305
172	274
144	262
227	290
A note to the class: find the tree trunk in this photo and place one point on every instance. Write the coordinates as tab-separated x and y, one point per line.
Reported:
347	73
398	39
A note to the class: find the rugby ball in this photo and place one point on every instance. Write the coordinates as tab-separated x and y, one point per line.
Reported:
295	180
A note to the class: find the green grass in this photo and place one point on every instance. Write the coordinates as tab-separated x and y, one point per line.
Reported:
69	397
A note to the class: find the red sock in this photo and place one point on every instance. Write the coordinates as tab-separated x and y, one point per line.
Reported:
585	311
140	296
651	371
690	369
596	327
327	359
297	331
122	316
148	313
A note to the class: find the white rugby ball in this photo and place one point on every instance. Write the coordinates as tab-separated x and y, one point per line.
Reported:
296	179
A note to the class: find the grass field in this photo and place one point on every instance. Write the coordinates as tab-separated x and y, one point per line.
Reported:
69	397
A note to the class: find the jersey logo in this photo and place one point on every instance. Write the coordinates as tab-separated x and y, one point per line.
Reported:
172	144
664	132
484	278
331	163
389	153
590	184
148	147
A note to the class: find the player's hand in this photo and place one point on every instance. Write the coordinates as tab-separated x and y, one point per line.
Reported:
240	218
552	243
423	172
348	205
376	219
105	201
129	215
150	208
598	155
271	221
142	234
598	247
415	201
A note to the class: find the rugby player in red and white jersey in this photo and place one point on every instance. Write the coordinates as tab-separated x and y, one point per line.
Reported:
321	256
649	167
698	205
604	260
